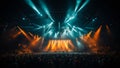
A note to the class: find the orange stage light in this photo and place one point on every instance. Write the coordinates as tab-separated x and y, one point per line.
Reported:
108	29
92	43
97	33
24	33
59	46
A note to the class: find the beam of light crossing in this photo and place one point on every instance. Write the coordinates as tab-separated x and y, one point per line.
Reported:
77	4
47	11
24	33
72	16
79	44
49	29
91	43
56	35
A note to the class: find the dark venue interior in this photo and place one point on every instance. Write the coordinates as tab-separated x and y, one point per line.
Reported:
59	34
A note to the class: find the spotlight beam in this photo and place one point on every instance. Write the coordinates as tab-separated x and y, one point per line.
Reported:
77	4
44	7
32	5
70	17
24	33
84	4
97	33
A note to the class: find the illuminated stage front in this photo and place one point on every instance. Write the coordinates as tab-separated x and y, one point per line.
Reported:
59	46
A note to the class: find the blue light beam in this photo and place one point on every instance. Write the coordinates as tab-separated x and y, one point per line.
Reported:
32	5
72	16
77	4
44	7
84	4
